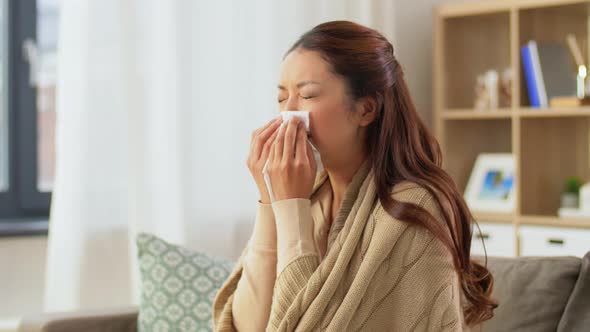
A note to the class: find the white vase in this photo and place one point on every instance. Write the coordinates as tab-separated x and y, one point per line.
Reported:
569	200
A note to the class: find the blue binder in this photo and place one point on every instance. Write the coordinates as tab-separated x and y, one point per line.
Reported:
533	75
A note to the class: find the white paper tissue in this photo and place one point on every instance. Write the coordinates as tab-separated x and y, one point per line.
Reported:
303	116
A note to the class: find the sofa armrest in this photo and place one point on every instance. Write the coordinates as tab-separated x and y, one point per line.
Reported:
576	316
115	320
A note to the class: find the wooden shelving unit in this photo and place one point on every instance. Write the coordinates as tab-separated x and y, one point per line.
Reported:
553	221
549	144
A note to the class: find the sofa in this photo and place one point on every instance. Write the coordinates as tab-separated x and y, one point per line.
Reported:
534	294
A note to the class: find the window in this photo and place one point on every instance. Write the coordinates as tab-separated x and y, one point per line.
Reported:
47	26
28	45
3	99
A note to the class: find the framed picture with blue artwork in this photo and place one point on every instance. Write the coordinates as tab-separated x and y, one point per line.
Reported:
491	184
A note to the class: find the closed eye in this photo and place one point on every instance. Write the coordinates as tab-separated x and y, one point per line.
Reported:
304	97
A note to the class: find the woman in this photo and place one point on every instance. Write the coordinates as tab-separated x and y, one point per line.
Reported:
378	240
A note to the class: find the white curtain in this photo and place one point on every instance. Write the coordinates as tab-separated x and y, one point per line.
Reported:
156	101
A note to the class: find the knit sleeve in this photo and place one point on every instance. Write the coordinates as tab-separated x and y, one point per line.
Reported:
294	230
297	256
244	301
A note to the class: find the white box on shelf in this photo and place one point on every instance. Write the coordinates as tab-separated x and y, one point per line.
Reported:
553	241
498	239
573	213
585	198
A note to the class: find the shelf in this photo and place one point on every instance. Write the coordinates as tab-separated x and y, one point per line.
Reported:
464	8
549	144
465	140
487	37
522	112
551	150
530	112
551	24
502	218
469	114
554	221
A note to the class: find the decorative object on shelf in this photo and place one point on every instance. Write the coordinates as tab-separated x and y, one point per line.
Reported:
493	90
491	184
486	91
506	88
548	72
576	54
573	213
576	203
569	196
581	98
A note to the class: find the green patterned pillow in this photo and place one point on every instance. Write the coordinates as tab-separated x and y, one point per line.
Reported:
178	286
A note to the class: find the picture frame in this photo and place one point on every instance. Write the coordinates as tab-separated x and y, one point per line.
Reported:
491	184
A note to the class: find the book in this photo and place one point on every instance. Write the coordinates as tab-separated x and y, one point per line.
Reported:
532	73
549	72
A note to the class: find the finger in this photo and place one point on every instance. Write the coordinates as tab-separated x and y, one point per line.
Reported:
263	137
270	123
301	145
263	128
265	154
290	138
279	142
271	153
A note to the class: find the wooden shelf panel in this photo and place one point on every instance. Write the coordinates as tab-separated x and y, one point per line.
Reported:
468	114
554	221
474	45
529	112
552	149
466	8
471	8
465	140
502	218
522	112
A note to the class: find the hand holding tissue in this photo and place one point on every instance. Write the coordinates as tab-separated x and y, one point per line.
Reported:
290	182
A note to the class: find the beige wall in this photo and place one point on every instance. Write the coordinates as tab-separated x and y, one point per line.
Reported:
22	275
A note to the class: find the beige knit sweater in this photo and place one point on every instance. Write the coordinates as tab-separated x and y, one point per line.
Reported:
370	272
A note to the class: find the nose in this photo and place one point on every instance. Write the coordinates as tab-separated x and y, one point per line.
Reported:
291	104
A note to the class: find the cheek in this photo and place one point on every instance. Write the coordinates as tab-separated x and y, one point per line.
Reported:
328	126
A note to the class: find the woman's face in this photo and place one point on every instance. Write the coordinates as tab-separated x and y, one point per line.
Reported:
307	84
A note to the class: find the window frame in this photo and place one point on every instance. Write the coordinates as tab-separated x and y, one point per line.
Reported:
23	201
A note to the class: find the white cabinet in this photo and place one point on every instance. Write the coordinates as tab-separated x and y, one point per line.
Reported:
553	241
499	240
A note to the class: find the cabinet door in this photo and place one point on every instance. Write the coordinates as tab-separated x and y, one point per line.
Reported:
554	241
498	239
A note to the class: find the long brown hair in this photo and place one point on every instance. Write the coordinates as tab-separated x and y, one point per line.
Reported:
401	148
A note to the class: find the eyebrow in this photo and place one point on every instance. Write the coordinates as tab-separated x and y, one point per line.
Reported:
299	85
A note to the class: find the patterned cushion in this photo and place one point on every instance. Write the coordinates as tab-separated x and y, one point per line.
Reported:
178	286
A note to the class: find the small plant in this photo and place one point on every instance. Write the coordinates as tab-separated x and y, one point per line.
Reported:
573	185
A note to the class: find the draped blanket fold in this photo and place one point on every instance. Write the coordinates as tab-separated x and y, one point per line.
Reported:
379	273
